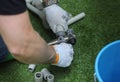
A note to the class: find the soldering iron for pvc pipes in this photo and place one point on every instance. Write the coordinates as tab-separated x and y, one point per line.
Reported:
63	33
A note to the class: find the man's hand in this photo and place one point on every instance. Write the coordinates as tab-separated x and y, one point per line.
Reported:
64	54
55	15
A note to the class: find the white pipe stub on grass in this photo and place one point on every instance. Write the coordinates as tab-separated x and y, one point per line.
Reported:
43	74
31	67
38	77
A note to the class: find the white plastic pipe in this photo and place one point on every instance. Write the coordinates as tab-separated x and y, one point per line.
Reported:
76	18
38	76
50	78
31	67
35	10
47	75
40	13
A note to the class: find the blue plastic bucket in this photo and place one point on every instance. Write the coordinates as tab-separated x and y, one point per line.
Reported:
107	64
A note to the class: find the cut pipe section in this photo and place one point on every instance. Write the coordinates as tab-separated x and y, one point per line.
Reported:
47	75
76	18
38	77
31	67
50	78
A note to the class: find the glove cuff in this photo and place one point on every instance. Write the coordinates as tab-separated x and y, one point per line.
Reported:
56	59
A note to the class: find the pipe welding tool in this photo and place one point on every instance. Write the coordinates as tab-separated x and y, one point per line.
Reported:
63	33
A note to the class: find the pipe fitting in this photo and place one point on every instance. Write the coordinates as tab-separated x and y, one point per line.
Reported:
38	76
31	67
50	78
76	18
47	75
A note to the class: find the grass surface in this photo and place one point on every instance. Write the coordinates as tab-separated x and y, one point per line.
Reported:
100	27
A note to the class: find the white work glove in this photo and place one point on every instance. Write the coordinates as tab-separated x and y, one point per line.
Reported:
65	53
55	15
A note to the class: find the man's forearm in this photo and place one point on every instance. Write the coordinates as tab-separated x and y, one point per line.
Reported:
23	42
35	50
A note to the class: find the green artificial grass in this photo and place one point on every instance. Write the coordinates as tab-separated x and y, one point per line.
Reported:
100	27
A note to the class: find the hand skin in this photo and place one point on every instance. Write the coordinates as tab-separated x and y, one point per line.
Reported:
23	42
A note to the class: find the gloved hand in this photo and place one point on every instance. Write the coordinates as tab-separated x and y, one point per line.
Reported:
55	15
64	54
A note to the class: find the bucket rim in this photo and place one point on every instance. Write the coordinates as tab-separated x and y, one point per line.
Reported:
99	55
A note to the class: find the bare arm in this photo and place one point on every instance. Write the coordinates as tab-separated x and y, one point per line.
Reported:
23	41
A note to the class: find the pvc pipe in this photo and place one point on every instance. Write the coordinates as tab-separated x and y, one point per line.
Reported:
76	18
31	67
35	10
50	78
40	13
47	75
38	76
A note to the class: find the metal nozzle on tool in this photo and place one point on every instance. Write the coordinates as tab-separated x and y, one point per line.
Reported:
69	38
